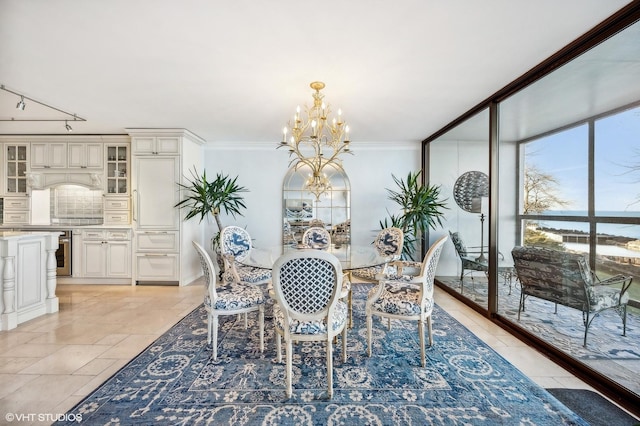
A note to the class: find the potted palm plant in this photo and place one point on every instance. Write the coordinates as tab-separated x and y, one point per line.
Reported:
421	208
204	198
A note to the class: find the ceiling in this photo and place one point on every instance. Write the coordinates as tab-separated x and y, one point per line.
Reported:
234	71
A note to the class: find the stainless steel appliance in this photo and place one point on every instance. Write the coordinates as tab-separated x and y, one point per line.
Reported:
63	255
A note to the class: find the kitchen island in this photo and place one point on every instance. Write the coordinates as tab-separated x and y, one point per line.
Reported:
27	276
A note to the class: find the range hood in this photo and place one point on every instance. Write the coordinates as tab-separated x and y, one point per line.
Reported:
42	180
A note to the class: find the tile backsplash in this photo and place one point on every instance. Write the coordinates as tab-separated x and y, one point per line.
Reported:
76	205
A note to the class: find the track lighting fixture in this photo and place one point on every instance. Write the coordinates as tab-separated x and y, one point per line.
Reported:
64	116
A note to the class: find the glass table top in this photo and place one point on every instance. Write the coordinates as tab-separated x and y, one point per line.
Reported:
350	256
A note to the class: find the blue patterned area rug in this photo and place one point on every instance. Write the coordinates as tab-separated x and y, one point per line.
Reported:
175	382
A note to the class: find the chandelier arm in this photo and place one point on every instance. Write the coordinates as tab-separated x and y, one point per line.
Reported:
313	134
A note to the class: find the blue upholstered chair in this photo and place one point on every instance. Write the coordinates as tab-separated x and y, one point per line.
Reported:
307	286
228	297
236	241
317	237
406	297
388	242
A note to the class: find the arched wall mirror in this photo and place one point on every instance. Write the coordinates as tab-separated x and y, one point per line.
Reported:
301	208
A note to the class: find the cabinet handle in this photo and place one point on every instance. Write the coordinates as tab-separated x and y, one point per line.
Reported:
134	208
155	255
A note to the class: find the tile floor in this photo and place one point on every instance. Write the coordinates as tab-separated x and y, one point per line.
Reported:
49	364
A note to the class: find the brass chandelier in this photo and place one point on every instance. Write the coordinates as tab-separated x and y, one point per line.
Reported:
316	141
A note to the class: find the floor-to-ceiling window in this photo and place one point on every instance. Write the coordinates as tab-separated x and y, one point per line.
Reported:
562	155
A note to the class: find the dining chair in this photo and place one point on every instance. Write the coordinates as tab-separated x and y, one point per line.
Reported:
406	297
229	297
236	241
388	242
307	285
317	237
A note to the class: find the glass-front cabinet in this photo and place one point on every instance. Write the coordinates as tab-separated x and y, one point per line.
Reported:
117	164
16	169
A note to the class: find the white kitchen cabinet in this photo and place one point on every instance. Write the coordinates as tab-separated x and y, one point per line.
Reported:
94	259
85	155
158	241
162	243
117	210
106	253
28	279
16	210
157	267
16	161
117	169
48	155
156	145
155	193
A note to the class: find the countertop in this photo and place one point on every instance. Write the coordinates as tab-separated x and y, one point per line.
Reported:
7	235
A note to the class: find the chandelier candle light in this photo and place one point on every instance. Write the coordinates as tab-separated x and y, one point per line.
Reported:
315	136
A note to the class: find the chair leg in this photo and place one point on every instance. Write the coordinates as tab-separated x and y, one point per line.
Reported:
430	330
246	320
344	344
279	347
369	331
209	328
289	368
261	321
421	332
350	300
329	368
214	342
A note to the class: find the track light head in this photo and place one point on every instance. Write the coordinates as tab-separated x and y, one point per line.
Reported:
21	104
68	127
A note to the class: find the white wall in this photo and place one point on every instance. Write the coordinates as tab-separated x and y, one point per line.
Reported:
261	169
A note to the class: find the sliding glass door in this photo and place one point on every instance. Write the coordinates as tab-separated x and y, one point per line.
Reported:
554	165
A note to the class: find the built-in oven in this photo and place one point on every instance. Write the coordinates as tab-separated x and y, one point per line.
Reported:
63	254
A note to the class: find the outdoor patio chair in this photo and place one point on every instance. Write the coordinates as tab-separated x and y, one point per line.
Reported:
229	297
307	285
406	297
566	279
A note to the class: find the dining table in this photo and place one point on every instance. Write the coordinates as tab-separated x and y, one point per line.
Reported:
351	256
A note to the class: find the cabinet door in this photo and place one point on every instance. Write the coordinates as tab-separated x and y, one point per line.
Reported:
48	155
85	155
119	259
39	155
94	155
155	193
15	172
168	145
143	145
93	259
157	267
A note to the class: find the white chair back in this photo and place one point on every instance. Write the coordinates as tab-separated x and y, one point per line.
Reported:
307	284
